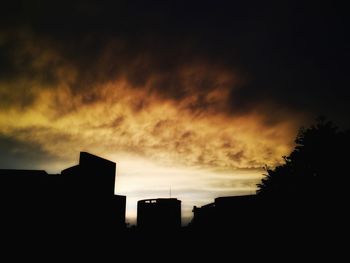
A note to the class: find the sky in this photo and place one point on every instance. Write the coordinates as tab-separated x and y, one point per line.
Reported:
191	99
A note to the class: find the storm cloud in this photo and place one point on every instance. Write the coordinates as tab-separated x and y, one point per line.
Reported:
220	86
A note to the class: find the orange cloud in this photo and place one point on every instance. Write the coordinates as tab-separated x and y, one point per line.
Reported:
179	118
129	119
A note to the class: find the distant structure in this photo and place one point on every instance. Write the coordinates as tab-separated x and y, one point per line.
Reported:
94	178
226	212
76	203
159	214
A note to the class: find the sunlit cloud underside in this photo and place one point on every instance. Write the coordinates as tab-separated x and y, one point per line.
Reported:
188	141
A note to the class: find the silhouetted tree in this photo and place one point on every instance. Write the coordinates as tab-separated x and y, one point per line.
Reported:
318	166
305	198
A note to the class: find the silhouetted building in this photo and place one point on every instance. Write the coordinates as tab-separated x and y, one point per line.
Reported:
225	212
94	177
78	202
159	214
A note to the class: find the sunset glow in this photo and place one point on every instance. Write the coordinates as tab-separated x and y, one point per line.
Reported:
199	102
185	137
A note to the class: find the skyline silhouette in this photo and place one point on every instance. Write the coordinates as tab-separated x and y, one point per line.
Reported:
215	100
301	182
196	96
93	176
294	202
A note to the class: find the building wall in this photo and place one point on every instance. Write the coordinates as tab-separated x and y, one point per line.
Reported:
159	213
78	202
226	213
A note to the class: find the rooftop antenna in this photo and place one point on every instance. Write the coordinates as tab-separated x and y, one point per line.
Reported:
170	192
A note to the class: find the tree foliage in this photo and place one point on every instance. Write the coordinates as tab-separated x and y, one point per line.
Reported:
316	167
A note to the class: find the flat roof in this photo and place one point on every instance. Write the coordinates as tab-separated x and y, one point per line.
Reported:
155	200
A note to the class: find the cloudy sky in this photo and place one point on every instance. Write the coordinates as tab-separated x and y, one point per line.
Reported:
196	96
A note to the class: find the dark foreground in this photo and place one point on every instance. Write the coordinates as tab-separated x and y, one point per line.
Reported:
265	241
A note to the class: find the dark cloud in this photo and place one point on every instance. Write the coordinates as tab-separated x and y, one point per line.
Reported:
288	55
115	124
17	154
237	156
244	183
